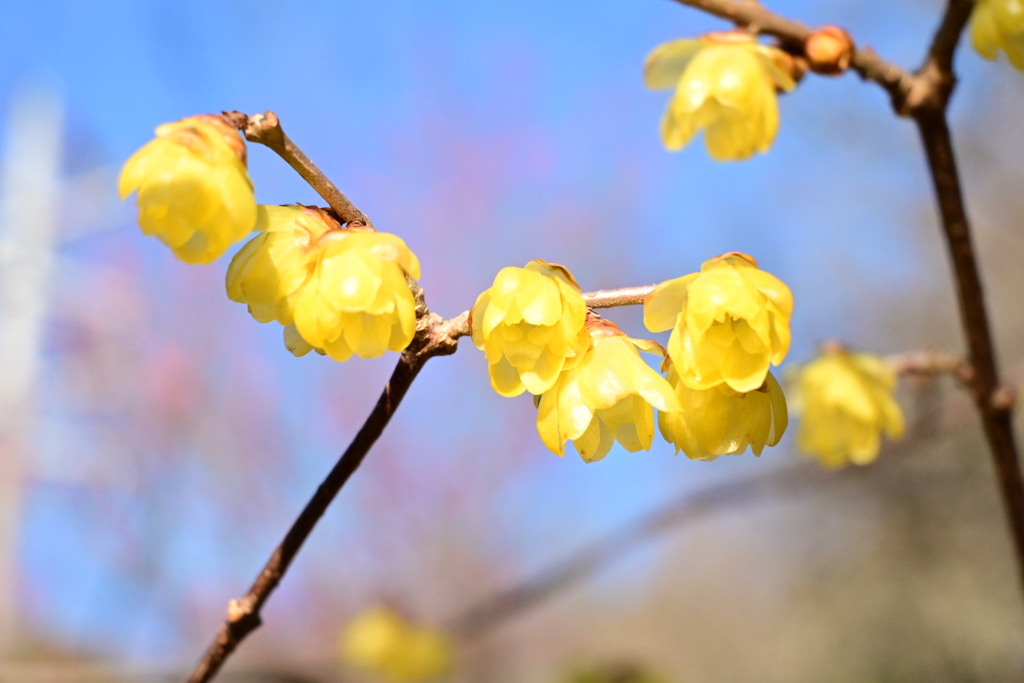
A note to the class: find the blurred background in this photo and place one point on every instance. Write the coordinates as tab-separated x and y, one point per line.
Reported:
157	442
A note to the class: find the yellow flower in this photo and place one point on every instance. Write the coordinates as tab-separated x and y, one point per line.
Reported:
382	643
340	290
999	25
530	325
194	191
721	421
615	673
606	397
729	322
845	401
725	84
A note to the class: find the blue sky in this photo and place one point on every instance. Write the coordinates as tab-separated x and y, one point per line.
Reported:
486	135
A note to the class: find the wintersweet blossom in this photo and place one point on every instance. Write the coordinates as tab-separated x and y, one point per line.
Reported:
722	421
729	322
845	402
194	191
999	25
724	84
530	325
339	290
382	643
608	396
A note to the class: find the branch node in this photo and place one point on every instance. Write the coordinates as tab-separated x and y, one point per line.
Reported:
1003	399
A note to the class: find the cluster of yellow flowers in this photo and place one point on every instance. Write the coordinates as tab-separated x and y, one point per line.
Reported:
337	290
729	323
344	290
999	25
382	643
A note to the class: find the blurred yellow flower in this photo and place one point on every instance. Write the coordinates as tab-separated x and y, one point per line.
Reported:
382	643
194	191
339	290
606	397
725	84
721	421
614	673
845	401
999	25
729	322
530	325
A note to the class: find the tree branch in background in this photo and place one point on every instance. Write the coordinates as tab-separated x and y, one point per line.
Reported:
483	617
434	337
924	96
266	130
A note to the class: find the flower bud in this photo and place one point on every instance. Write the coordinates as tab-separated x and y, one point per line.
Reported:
829	50
194	191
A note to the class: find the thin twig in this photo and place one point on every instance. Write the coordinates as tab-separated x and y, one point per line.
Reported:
434	337
627	296
266	130
947	37
929	362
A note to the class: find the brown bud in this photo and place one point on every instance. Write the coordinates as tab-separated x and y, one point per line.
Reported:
793	66
829	50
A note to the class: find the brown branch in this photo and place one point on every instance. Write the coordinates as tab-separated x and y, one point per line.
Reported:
947	37
931	363
627	296
991	402
434	337
266	130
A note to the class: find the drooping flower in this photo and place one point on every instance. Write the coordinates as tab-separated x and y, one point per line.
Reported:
999	25
729	322
339	290
845	402
530	325
722	421
608	396
725	85
383	643
194	191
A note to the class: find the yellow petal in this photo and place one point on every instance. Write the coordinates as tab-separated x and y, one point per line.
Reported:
665	64
665	302
505	378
